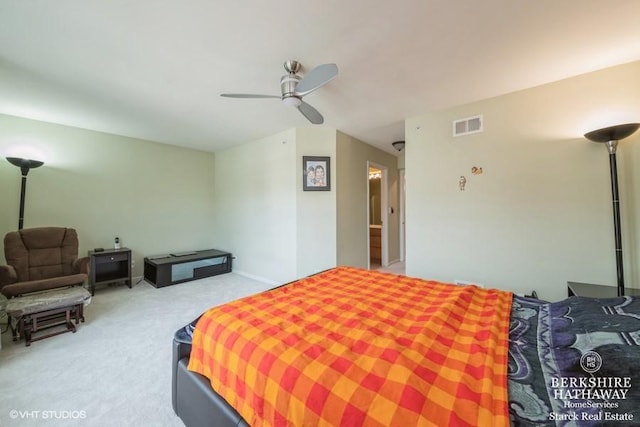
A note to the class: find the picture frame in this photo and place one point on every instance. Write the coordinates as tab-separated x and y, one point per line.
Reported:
316	173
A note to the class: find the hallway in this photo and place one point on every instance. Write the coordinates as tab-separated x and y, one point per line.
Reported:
395	268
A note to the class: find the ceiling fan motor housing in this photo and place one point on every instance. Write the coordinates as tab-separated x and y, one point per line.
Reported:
288	84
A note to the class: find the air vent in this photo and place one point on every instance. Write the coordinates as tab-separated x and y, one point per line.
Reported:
467	126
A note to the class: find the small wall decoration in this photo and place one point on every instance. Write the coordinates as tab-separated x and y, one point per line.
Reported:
462	182
316	173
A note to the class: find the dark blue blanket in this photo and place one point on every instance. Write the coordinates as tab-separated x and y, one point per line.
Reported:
575	362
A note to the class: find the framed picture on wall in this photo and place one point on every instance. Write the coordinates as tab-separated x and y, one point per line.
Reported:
316	173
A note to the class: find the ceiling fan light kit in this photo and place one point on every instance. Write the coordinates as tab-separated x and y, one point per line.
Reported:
293	88
291	101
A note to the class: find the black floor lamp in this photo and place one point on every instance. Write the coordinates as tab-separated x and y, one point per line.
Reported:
611	136
24	165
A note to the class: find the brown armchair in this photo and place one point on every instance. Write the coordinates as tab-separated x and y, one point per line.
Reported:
40	259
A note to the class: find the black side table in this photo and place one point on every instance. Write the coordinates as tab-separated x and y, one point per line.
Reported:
109	266
597	291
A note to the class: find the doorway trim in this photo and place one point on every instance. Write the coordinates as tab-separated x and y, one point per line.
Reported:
384	214
403	213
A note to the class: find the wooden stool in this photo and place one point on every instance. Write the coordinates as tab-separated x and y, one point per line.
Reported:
57	307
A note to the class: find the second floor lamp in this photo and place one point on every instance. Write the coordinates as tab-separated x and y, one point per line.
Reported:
25	165
610	136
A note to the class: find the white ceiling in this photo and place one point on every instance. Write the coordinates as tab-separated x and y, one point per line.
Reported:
154	69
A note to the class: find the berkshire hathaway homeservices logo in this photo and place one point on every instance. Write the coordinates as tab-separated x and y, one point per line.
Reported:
590	398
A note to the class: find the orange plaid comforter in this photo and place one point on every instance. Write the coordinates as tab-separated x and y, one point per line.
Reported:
352	347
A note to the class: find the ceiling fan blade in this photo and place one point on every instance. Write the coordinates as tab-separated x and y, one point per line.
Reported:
247	95
311	113
316	78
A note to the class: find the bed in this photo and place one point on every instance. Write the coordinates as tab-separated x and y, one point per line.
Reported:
354	347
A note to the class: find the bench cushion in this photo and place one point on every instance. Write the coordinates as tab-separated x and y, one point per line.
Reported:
49	300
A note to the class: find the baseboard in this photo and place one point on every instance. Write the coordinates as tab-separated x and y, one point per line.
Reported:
254	277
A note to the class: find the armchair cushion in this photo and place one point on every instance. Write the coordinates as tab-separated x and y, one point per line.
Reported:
41	258
21	288
7	275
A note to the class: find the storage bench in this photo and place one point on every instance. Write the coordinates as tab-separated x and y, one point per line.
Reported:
43	310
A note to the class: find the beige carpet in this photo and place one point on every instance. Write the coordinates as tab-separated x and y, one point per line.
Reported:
116	369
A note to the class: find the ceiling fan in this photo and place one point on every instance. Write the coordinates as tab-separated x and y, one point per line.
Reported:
294	87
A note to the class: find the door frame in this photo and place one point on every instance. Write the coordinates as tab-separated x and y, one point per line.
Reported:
403	219
384	214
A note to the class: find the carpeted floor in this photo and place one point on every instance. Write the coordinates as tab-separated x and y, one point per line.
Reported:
116	369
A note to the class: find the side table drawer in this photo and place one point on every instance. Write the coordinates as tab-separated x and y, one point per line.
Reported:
108	258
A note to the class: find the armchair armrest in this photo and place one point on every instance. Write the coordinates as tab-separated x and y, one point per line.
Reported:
81	265
8	275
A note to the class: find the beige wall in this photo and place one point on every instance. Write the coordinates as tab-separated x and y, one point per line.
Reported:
401	160
316	210
352	209
629	173
277	231
255	216
157	198
540	214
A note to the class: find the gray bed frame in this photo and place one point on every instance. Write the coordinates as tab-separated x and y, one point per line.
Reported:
192	397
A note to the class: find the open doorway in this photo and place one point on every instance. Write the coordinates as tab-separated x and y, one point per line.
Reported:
377	216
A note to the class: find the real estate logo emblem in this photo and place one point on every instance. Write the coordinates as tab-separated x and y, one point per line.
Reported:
591	362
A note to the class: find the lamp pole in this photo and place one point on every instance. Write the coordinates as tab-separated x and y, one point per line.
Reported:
25	165
617	225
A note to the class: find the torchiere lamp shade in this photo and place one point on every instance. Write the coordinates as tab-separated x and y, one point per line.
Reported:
25	164
612	133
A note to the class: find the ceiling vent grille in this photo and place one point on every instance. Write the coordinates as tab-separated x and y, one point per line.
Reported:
468	125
